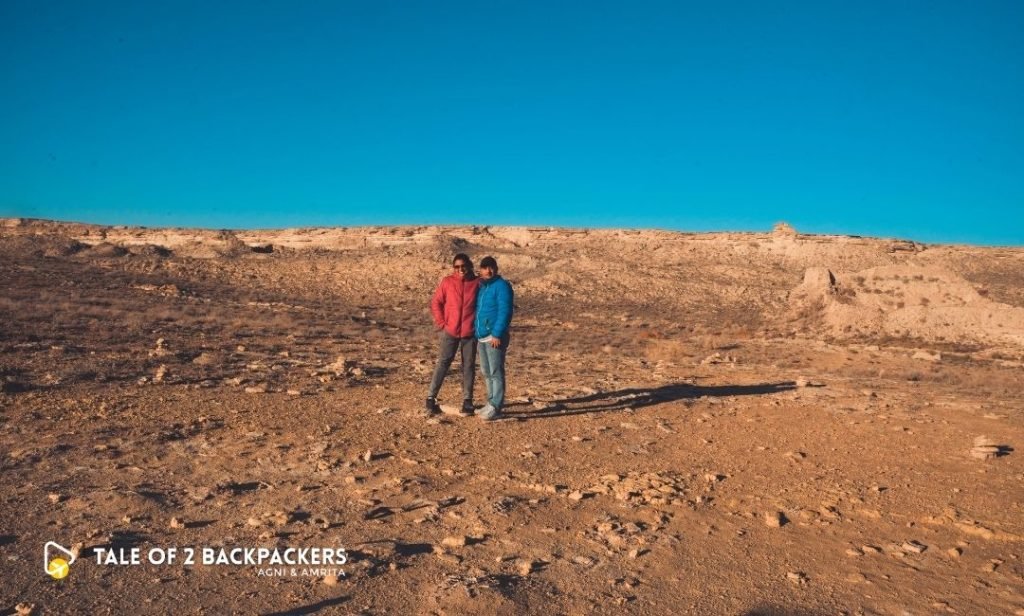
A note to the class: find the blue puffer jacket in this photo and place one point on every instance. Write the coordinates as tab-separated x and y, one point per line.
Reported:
493	308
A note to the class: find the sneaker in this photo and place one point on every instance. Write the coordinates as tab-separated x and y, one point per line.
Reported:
489	413
467	408
431	407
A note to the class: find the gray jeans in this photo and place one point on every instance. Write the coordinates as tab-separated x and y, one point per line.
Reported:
444	361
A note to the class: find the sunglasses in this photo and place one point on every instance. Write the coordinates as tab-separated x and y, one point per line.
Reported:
461	266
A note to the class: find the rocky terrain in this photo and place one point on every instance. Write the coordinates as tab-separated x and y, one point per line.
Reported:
725	423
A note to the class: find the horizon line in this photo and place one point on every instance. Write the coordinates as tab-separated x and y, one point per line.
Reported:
771	231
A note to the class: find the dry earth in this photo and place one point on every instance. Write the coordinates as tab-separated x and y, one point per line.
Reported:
700	423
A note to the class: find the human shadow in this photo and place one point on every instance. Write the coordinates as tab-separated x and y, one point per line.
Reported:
639	397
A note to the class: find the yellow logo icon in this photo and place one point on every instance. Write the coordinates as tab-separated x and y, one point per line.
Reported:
57	566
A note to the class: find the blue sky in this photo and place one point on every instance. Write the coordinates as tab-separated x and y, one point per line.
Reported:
874	118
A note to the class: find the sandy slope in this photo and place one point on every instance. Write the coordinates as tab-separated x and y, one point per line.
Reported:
701	423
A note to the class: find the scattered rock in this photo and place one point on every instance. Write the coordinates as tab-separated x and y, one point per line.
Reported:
926	356
24	609
176	523
526	567
454	541
204	359
984	449
797	577
783	229
159	350
974	528
451	409
913	547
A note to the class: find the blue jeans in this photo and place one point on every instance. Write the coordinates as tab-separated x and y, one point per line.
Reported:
492	365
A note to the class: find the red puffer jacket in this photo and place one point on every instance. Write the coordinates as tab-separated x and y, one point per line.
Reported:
454	305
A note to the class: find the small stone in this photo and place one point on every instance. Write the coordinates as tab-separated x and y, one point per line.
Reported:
331	580
453	559
583	561
526	567
454	541
954	552
54	498
797	577
176	523
985	452
256	389
368	455
774	519
913	547
24	609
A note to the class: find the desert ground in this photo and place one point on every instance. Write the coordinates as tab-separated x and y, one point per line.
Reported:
719	423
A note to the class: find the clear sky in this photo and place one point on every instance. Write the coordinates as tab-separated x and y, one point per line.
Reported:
901	119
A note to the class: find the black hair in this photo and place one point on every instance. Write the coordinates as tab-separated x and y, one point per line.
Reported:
489	261
464	258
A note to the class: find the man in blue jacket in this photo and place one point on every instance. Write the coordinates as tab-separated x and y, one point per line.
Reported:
493	317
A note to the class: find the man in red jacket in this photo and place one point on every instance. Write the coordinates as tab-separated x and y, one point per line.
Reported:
454	308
